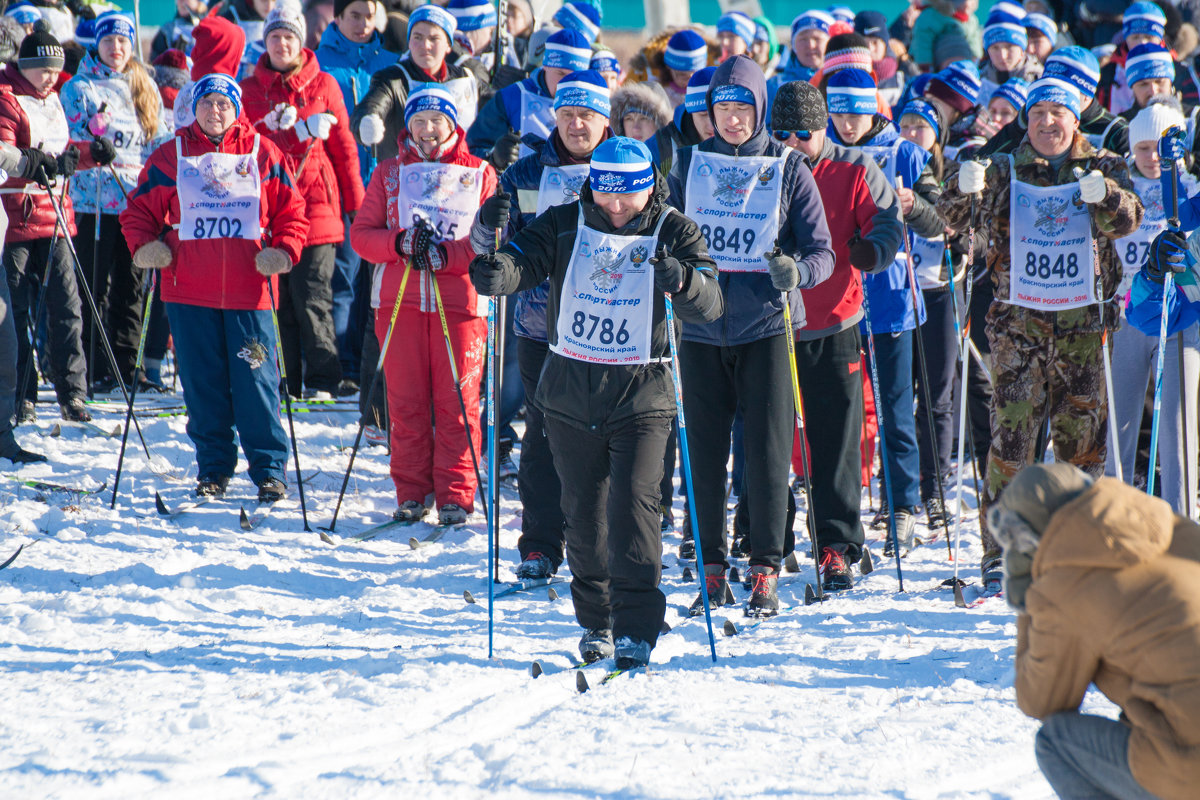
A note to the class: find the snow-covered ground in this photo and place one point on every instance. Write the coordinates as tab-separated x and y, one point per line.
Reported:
148	658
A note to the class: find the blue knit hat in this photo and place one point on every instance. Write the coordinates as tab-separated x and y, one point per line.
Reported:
1077	66
851	91
586	89
217	83
686	51
24	13
582	16
694	100
473	15
435	15
1042	24
114	22
812	21
962	80
1004	28
1053	90
604	61
1144	17
732	93
567	49
621	165
841	14
85	32
430	97
925	110
1014	91
1149	61
736	22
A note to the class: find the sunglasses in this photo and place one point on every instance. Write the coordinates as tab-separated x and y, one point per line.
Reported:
783	136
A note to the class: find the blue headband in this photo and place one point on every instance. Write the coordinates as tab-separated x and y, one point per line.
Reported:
217	83
732	93
113	23
851	91
737	23
586	89
621	165
1053	90
694	100
437	16
430	97
686	51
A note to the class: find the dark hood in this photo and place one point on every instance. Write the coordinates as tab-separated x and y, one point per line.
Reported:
742	71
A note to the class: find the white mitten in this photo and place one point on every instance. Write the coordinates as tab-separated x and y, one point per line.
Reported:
370	130
317	126
971	177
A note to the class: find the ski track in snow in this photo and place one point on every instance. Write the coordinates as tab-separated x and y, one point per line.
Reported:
146	658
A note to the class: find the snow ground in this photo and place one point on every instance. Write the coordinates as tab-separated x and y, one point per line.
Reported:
150	658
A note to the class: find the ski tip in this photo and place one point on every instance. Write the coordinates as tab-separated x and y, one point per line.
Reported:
687	575
470	598
734	575
160	505
810	596
581	684
56	431
13	557
414	542
730	600
866	565
551	595
791	564
959	600
116	431
666	628
729	629
325	537
244	520
536	670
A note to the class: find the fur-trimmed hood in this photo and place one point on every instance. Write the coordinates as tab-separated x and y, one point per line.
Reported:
648	98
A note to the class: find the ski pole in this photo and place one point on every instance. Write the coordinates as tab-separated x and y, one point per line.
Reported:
96	324
964	354
677	382
383	348
1168	290
1185	408
883	452
492	448
798	404
151	280
493	415
912	283
287	404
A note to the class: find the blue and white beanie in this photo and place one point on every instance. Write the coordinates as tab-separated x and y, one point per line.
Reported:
430	97
1053	90
1014	91
621	165
217	83
925	110
1003	28
694	100
812	21
473	15
24	13
567	49
1077	66
851	91
605	61
1144	17
686	51
582	16
435	15
1148	61
841	14
1012	9
115	23
1042	24
963	78
737	23
586	89
85	32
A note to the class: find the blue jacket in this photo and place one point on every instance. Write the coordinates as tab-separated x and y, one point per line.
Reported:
352	66
753	306
791	70
501	114
889	292
1143	309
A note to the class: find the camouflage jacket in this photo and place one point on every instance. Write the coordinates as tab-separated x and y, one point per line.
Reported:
1118	215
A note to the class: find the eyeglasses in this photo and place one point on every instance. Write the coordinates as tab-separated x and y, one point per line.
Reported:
783	136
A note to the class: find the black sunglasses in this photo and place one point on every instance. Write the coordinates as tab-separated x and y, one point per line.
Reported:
783	136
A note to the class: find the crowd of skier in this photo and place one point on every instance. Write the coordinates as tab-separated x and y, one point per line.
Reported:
936	235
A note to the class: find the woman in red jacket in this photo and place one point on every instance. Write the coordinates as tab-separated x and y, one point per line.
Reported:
300	108
233	220
435	183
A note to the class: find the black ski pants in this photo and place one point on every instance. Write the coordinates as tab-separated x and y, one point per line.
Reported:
537	480
306	322
610	502
716	380
117	290
941	356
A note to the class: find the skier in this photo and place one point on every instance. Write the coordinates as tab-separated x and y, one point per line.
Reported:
218	48
299	108
219	260
760	210
550	177
1142	23
1005	40
606	387
402	226
686	53
1103	578
691	124
1054	286
735	34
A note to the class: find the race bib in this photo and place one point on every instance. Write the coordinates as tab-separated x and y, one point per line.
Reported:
537	117
927	256
47	123
219	195
444	195
735	201
559	186
1134	248
466	99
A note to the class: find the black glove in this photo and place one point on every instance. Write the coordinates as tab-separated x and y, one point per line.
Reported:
38	167
862	254
506	151
668	271
102	151
67	162
495	211
1167	252
487	274
425	240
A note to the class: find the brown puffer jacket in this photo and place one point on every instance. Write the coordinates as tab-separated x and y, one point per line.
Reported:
1115	601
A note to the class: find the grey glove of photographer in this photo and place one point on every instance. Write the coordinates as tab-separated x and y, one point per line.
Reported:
1018	574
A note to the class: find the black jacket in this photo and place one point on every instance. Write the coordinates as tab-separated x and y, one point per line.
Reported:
597	397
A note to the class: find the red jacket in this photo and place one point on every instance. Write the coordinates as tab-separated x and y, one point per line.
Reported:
215	273
30	213
328	192
375	228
